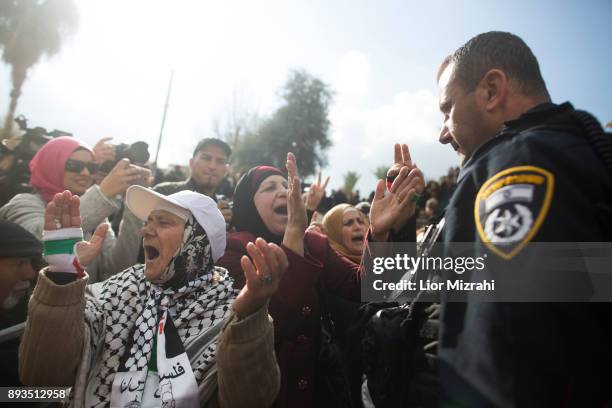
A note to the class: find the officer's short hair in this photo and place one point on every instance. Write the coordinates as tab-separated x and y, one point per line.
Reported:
213	141
496	49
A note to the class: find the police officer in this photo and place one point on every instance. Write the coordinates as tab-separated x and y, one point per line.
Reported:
554	187
531	171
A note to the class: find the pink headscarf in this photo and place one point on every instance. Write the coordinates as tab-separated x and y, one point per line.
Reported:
47	165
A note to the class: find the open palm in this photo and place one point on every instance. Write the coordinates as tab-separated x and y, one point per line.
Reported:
63	212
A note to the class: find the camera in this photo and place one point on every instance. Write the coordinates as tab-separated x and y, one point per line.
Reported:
16	177
137	153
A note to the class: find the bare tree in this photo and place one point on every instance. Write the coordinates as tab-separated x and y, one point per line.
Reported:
236	122
30	29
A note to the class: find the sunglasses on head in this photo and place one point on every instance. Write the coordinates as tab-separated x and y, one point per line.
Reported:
77	166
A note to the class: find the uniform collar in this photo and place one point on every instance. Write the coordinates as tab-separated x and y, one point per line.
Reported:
533	117
537	115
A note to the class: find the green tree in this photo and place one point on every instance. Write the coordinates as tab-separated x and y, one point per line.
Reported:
349	183
30	29
300	125
380	172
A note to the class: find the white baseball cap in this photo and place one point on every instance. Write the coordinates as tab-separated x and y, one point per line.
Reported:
141	201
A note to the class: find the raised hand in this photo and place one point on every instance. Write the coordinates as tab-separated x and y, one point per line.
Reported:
104	151
392	210
401	158
296	209
297	219
316	192
122	176
63	212
87	251
263	272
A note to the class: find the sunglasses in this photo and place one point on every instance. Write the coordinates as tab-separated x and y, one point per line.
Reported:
77	166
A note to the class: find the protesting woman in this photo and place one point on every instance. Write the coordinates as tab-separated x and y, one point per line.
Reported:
65	163
266	206
148	335
345	227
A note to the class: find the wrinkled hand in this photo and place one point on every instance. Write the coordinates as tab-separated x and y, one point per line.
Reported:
104	151
316	192
391	211
401	158
297	218
63	212
262	278
122	176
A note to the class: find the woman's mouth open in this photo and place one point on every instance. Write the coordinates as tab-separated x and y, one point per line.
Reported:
281	209
151	253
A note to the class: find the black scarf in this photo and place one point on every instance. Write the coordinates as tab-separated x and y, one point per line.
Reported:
245	215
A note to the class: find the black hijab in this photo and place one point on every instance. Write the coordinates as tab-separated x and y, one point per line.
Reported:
244	214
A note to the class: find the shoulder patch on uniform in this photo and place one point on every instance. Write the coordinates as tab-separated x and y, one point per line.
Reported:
511	206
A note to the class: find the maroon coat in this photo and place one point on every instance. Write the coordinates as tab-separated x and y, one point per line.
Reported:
295	307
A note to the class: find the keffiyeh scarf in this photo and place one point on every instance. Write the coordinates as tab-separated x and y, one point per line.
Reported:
158	343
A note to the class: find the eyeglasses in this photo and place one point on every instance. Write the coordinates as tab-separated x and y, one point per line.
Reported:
77	166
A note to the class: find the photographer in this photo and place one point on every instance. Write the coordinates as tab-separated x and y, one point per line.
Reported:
108	155
15	155
65	163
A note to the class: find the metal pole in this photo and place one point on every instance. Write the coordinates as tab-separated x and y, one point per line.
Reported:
161	131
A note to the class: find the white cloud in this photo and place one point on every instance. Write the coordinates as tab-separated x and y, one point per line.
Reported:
352	77
363	137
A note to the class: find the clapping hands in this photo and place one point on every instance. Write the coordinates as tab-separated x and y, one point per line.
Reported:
263	272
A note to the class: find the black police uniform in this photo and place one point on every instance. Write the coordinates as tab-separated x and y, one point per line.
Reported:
526	354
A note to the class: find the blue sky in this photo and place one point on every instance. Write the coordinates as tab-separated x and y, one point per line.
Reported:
380	56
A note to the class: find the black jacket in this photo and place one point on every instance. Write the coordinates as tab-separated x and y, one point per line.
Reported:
528	354
171	187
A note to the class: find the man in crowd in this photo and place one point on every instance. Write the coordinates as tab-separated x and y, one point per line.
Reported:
20	256
498	115
208	167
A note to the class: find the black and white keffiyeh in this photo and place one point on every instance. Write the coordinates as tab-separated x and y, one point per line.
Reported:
191	299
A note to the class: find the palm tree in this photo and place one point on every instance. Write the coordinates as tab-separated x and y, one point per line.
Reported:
380	172
30	29
350	180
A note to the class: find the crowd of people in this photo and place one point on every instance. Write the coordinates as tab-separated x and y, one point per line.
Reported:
134	292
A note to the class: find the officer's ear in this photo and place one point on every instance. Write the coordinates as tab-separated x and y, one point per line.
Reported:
494	89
